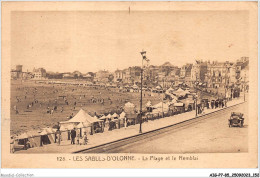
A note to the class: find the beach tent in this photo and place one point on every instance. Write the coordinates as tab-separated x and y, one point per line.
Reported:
173	101
135	86
156	111
171	95
22	136
93	119
129	107
102	118
80	125
162	107
180	92
62	128
130	110
122	115
64	135
115	115
158	87
170	89
70	127
178	104
109	116
81	116
149	104
34	138
47	138
51	132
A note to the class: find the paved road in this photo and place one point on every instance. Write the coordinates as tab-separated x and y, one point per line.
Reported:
211	135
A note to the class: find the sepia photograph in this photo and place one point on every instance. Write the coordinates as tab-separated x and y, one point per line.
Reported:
125	80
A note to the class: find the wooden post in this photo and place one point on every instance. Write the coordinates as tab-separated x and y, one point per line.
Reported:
68	135
40	140
25	146
91	133
80	132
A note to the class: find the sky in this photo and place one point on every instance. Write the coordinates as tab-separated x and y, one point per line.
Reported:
89	41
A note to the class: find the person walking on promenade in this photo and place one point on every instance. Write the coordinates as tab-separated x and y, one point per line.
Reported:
85	138
73	135
78	138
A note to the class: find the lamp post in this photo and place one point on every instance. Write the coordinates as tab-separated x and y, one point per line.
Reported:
245	87
196	108
143	53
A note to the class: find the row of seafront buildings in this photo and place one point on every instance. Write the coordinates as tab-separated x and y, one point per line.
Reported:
211	74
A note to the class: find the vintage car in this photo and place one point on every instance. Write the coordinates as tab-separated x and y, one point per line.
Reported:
236	119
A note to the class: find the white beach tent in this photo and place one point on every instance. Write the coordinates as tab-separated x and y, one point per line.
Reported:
80	125
135	86
81	116
23	136
34	138
102	118
93	119
115	115
158	87
44	132
47	135
63	128
162	107
178	104
122	115
149	104
170	89
109	116
180	92
129	105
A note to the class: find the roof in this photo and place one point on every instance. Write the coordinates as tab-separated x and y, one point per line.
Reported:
115	115
22	136
82	116
149	104
178	104
80	125
122	115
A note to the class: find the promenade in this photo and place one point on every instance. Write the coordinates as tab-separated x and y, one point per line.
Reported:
116	134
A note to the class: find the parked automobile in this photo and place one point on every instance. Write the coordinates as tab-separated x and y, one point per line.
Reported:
236	119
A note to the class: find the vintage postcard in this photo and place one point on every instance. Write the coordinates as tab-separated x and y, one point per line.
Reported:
129	85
